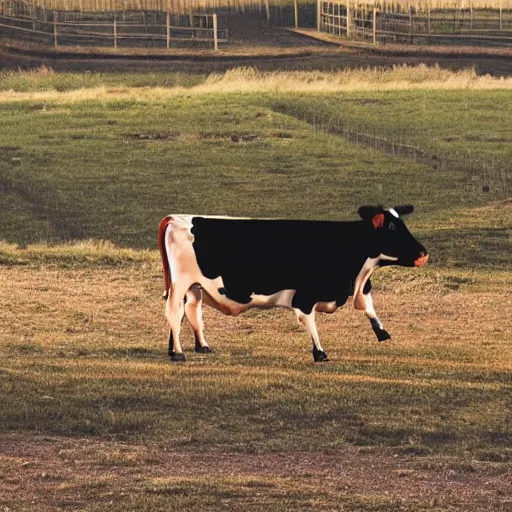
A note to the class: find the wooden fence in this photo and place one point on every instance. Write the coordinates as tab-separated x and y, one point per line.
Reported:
187	6
367	22
127	28
175	6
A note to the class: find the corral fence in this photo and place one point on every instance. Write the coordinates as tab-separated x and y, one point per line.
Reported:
391	22
139	28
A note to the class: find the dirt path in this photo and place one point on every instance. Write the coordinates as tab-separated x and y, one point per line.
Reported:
50	472
256	44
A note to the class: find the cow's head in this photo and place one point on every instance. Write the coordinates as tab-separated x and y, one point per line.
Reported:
392	241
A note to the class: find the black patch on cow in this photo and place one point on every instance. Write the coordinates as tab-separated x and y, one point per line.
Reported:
319	356
170	350
203	350
382	334
198	348
177	358
317	259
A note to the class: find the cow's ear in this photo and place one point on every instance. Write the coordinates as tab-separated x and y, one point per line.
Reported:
369	212
378	220
404	210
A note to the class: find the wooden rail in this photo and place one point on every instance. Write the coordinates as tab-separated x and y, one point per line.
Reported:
362	21
118	30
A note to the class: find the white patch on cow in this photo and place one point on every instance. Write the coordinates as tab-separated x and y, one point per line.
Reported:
369	267
180	251
194	313
182	222
370	310
326	307
282	299
308	322
387	258
394	213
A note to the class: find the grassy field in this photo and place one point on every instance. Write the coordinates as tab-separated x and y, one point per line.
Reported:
140	152
93	417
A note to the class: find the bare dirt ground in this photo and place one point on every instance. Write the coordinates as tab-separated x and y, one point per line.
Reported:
55	473
255	43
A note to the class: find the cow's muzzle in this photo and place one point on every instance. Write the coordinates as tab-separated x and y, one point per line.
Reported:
421	260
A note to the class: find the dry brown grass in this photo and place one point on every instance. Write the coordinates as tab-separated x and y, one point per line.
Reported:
248	80
103	420
198	5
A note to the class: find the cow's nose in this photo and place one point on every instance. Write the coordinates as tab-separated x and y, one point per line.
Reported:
421	260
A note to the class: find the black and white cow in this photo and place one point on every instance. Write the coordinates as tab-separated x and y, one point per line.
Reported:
236	264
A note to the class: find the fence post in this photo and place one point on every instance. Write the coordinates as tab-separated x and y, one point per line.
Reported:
296	13
374	24
215	34
318	14
168	29
115	31
55	42
267	8
410	25
340	31
501	17
349	19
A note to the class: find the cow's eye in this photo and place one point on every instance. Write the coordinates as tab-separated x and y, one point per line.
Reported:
392	227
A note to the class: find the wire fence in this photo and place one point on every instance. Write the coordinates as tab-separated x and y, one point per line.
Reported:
478	172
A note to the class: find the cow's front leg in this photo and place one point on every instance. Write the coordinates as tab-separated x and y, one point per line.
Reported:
174	310
308	322
369	310
194	312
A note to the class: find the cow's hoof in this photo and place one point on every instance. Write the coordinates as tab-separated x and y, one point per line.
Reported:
382	335
203	350
320	356
177	358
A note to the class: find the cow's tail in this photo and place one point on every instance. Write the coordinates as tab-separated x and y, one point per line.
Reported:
163	253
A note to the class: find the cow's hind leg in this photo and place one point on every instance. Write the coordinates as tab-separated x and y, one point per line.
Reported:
378	328
171	337
174	312
194	312
308	322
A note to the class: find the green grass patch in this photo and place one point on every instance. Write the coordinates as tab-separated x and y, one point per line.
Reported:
453	132
111	169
